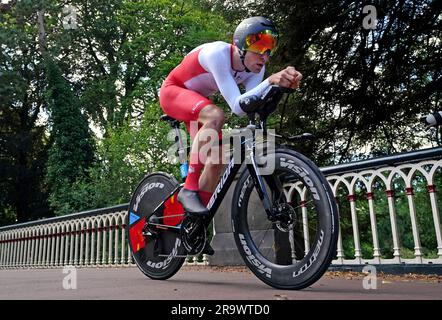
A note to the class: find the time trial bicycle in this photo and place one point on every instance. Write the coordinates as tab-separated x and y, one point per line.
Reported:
286	238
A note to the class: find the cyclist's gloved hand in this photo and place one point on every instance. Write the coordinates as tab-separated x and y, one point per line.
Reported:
287	78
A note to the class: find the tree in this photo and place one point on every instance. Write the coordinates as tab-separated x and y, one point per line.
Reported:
150	39
361	86
128	153
72	152
106	69
122	51
23	140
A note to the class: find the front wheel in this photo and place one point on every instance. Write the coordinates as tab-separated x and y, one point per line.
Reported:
293	251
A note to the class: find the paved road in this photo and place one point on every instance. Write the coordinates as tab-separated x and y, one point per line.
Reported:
197	283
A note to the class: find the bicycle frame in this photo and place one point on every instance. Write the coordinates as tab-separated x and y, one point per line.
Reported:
297	257
247	151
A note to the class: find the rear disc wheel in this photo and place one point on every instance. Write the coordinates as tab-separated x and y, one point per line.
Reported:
156	246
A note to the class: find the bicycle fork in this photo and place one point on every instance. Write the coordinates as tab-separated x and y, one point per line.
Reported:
274	185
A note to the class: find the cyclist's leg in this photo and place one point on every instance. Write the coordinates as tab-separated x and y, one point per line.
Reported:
206	145
212	171
205	133
181	103
209	149
199	114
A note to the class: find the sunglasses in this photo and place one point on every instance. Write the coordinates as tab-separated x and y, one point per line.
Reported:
265	41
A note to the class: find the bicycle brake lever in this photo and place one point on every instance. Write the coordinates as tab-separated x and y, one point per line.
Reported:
302	137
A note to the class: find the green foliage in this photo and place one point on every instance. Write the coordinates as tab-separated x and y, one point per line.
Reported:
123	50
127	154
128	49
361	87
7	216
106	71
23	142
72	151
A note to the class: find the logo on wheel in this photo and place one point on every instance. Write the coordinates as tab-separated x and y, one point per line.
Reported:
165	263
303	174
253	260
146	188
313	258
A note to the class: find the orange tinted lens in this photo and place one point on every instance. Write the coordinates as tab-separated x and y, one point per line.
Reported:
260	43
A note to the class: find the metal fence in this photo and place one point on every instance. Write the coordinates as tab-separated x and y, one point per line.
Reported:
98	237
406	177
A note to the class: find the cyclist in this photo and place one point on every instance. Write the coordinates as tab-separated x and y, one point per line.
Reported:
213	67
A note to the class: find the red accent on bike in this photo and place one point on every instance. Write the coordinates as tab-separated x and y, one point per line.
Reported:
172	207
135	234
205	197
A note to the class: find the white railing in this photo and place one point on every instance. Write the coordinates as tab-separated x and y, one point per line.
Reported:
388	180
98	238
85	239
389	176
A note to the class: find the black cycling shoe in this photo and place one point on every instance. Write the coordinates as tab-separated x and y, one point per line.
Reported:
192	203
208	250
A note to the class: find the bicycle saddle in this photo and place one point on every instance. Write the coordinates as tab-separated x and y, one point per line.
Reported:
173	122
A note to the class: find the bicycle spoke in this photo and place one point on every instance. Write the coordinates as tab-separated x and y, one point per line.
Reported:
262	239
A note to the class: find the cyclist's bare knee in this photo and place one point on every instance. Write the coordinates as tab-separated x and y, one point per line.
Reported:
212	117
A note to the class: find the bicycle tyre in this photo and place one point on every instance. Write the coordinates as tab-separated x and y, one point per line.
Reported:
151	191
309	268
